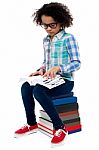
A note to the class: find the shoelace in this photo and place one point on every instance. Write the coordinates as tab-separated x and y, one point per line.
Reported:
26	125
58	132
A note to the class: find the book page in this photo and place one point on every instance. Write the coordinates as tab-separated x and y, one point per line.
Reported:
49	83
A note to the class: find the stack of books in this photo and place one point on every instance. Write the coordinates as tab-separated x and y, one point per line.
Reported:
68	110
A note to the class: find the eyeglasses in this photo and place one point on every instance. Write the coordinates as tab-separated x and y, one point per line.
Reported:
51	25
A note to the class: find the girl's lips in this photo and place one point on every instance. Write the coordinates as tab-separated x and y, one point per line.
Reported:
50	32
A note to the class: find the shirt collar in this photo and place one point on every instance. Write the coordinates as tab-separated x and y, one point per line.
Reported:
58	35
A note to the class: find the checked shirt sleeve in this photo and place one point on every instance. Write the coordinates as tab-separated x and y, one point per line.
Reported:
73	51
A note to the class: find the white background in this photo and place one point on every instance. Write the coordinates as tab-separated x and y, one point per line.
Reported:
21	52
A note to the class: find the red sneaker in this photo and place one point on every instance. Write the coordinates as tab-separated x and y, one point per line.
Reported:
59	136
26	130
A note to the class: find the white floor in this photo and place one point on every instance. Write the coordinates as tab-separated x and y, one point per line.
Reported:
84	140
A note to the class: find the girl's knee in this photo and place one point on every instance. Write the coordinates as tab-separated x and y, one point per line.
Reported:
38	91
25	86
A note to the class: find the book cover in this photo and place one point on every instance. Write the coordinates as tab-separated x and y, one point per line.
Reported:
63	95
65	100
43	114
67	107
49	122
49	131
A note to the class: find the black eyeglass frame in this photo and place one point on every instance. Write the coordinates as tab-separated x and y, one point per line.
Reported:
45	26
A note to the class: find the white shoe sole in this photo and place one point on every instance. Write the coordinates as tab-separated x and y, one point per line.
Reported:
57	145
27	133
60	143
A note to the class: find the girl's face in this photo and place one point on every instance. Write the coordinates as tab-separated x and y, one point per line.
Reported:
50	25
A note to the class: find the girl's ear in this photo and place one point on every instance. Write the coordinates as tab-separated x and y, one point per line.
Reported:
62	27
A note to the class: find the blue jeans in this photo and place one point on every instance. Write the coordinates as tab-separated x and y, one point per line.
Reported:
44	96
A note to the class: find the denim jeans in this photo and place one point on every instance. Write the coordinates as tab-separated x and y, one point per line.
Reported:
44	96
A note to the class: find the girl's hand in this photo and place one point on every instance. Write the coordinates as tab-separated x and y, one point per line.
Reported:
40	72
52	72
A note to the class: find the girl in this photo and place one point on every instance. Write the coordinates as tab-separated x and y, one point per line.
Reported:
60	56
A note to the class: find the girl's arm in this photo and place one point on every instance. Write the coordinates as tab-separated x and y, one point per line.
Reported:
73	51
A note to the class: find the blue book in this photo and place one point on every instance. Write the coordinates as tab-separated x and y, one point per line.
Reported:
65	100
63	95
74	131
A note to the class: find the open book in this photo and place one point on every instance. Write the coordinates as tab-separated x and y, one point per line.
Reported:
49	83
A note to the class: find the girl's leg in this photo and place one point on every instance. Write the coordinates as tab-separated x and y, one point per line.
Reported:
61	90
29	104
43	96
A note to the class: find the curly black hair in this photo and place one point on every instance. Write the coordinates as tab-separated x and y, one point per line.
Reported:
59	12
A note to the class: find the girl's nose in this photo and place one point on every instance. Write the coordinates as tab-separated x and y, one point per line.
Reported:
48	28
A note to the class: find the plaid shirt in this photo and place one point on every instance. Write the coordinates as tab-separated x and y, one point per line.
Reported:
61	51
